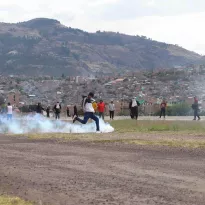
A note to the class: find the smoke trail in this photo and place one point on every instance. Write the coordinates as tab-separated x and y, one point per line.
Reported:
40	124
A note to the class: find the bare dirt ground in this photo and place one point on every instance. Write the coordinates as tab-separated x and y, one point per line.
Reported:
84	173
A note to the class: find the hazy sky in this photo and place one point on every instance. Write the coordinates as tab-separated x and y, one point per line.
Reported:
173	21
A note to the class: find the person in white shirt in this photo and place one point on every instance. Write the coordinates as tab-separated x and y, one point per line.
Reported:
133	106
112	110
89	112
9	111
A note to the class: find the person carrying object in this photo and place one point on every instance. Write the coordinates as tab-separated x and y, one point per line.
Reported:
133	106
57	110
88	112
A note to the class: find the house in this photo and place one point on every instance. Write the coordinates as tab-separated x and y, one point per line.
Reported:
13	97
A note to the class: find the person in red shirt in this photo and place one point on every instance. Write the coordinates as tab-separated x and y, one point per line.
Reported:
101	109
163	107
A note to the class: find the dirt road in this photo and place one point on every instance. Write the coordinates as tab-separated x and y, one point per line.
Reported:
82	173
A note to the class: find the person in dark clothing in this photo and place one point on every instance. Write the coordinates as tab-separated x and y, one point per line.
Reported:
195	107
57	110
163	107
48	112
89	112
39	109
111	108
133	106
75	111
68	111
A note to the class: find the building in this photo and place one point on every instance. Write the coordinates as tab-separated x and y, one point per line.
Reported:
14	98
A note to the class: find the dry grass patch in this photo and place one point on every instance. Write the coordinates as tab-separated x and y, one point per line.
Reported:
165	133
66	136
5	200
170	143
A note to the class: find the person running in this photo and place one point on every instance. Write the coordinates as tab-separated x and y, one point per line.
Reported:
134	104
112	110
195	107
9	111
101	109
163	107
48	112
57	110
68	111
39	109
88	112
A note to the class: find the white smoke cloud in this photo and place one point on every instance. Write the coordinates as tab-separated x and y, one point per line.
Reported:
40	124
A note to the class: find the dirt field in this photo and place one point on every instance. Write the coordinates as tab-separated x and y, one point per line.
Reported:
84	173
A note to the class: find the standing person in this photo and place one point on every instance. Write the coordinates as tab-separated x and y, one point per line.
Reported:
134	104
95	106
112	110
9	111
101	109
39	109
48	112
88	112
163	107
195	107
57	110
75	111
68	111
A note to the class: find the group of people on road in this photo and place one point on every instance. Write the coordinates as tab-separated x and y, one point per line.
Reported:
91	108
97	108
101	107
195	107
56	109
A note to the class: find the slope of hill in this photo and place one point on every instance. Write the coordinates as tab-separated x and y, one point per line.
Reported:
46	47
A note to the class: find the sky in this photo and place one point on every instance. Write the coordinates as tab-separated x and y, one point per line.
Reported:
172	21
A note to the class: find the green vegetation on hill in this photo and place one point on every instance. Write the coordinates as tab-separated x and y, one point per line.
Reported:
44	46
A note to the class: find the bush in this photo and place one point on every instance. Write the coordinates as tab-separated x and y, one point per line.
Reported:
183	109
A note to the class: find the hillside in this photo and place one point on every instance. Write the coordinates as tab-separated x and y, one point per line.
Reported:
46	47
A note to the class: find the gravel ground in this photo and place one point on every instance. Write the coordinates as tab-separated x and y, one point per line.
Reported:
84	173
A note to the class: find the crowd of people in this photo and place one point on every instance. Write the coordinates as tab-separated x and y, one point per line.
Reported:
99	108
91	108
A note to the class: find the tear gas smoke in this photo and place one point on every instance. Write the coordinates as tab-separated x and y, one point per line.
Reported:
40	124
